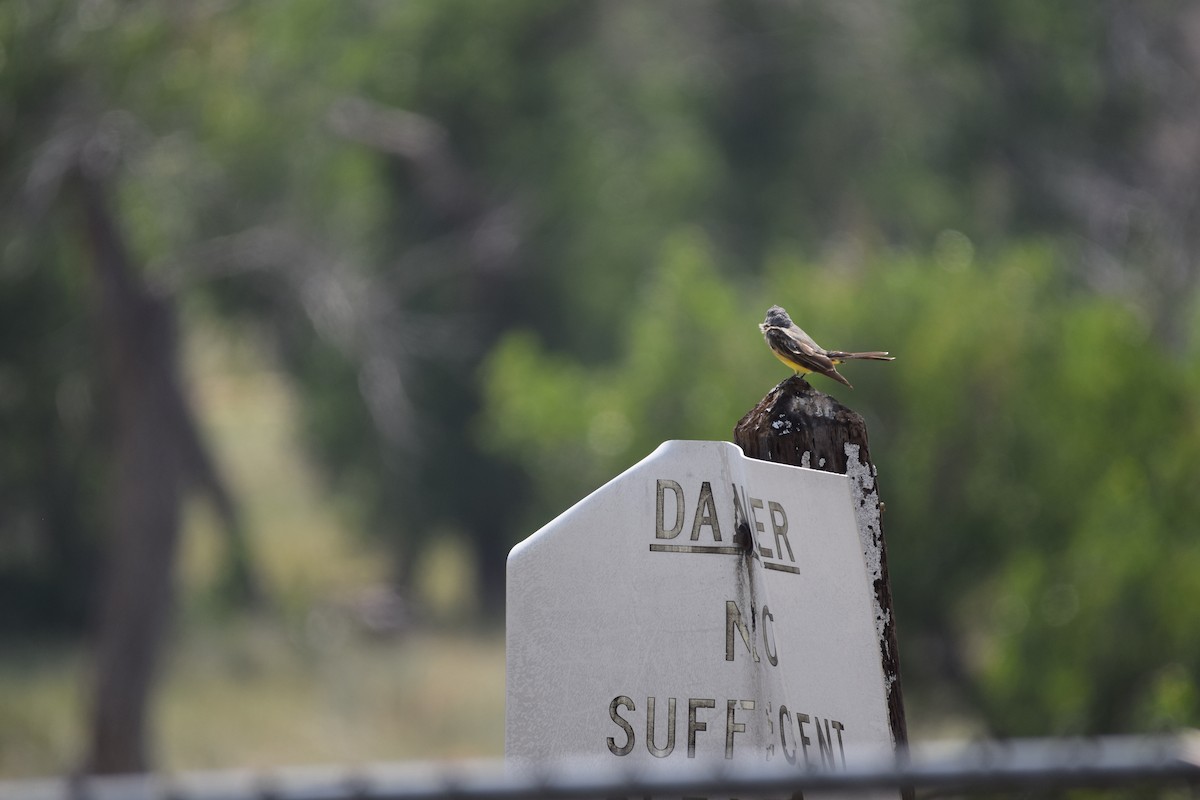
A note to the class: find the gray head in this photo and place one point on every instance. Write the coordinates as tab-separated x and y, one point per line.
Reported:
777	317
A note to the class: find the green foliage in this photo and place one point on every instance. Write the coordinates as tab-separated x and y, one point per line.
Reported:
1031	442
573	425
51	471
1037	445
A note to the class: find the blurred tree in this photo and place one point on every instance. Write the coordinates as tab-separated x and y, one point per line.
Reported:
51	466
50	471
76	140
490	241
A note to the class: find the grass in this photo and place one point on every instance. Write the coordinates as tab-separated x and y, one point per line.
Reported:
304	548
41	710
306	682
260	699
253	695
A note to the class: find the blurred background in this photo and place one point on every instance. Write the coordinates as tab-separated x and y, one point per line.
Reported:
309	311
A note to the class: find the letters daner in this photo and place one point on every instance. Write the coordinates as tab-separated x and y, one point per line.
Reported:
747	513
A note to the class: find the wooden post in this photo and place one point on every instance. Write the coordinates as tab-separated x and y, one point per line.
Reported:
796	424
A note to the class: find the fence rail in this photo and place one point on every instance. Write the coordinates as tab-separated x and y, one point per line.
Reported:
1105	762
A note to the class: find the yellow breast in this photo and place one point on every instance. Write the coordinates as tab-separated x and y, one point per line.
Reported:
789	362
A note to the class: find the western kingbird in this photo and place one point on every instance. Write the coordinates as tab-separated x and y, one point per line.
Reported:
797	349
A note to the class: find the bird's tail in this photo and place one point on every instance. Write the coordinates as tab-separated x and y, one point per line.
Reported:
874	355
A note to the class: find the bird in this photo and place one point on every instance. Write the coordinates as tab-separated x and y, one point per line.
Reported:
797	349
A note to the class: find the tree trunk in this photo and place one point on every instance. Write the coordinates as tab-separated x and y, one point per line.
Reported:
138	337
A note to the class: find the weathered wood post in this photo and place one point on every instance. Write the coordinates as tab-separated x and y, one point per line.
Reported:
796	424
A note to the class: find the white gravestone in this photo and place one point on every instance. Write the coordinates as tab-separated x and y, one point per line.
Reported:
640	628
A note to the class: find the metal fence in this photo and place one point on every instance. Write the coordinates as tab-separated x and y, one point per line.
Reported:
1160	762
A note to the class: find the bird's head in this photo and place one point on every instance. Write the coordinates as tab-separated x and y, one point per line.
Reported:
776	318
